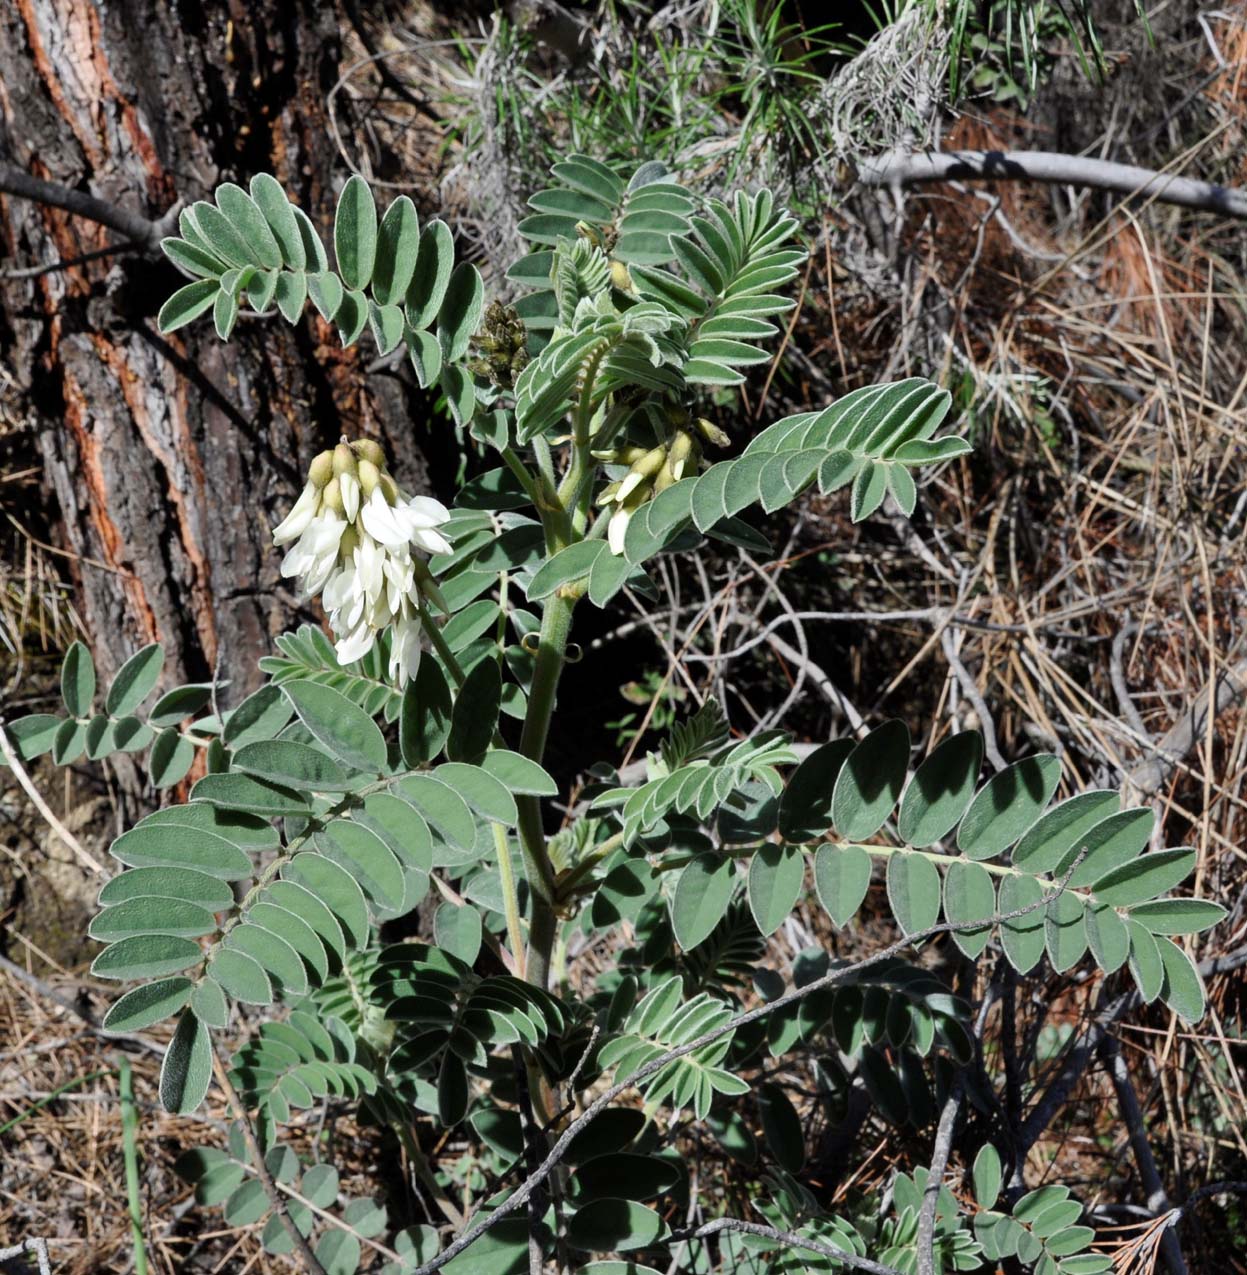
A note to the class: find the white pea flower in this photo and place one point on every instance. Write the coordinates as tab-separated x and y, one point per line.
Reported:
649	474
354	537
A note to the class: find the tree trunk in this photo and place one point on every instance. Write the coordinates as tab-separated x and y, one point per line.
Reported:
168	459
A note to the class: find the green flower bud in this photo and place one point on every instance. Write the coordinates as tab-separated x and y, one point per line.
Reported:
369	477
643	469
666	477
344	460
620	277
389	489
349	542
320	471
712	433
332	496
369	451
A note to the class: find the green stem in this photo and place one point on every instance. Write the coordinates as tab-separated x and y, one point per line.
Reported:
438	643
556	618
130	1150
533	487
510	898
582	419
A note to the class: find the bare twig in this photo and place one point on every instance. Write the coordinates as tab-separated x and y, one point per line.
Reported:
10	756
939	1162
900	170
1230	687
143	232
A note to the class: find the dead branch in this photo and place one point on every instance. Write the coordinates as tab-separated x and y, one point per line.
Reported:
902	170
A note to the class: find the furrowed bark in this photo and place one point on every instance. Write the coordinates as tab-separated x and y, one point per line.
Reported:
167	460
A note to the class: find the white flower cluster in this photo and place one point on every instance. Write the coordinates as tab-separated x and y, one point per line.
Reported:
355	537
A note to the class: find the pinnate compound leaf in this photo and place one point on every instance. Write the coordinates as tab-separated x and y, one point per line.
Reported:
988	1176
186	1071
1182	989
701	897
340	725
135	680
146	956
841	877
1007	805
913	891
355	233
941	789
776	875
78	680
147	1005
870	781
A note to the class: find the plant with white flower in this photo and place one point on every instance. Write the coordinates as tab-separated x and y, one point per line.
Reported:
362	778
355	537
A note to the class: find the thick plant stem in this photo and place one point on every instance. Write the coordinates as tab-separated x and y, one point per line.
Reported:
555	625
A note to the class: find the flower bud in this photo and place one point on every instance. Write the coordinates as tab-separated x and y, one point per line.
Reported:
608	493
389	488
369	477
682	446
369	451
666	477
320	471
712	433
620	278
348	543
343	460
684	454
332	496
646	467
